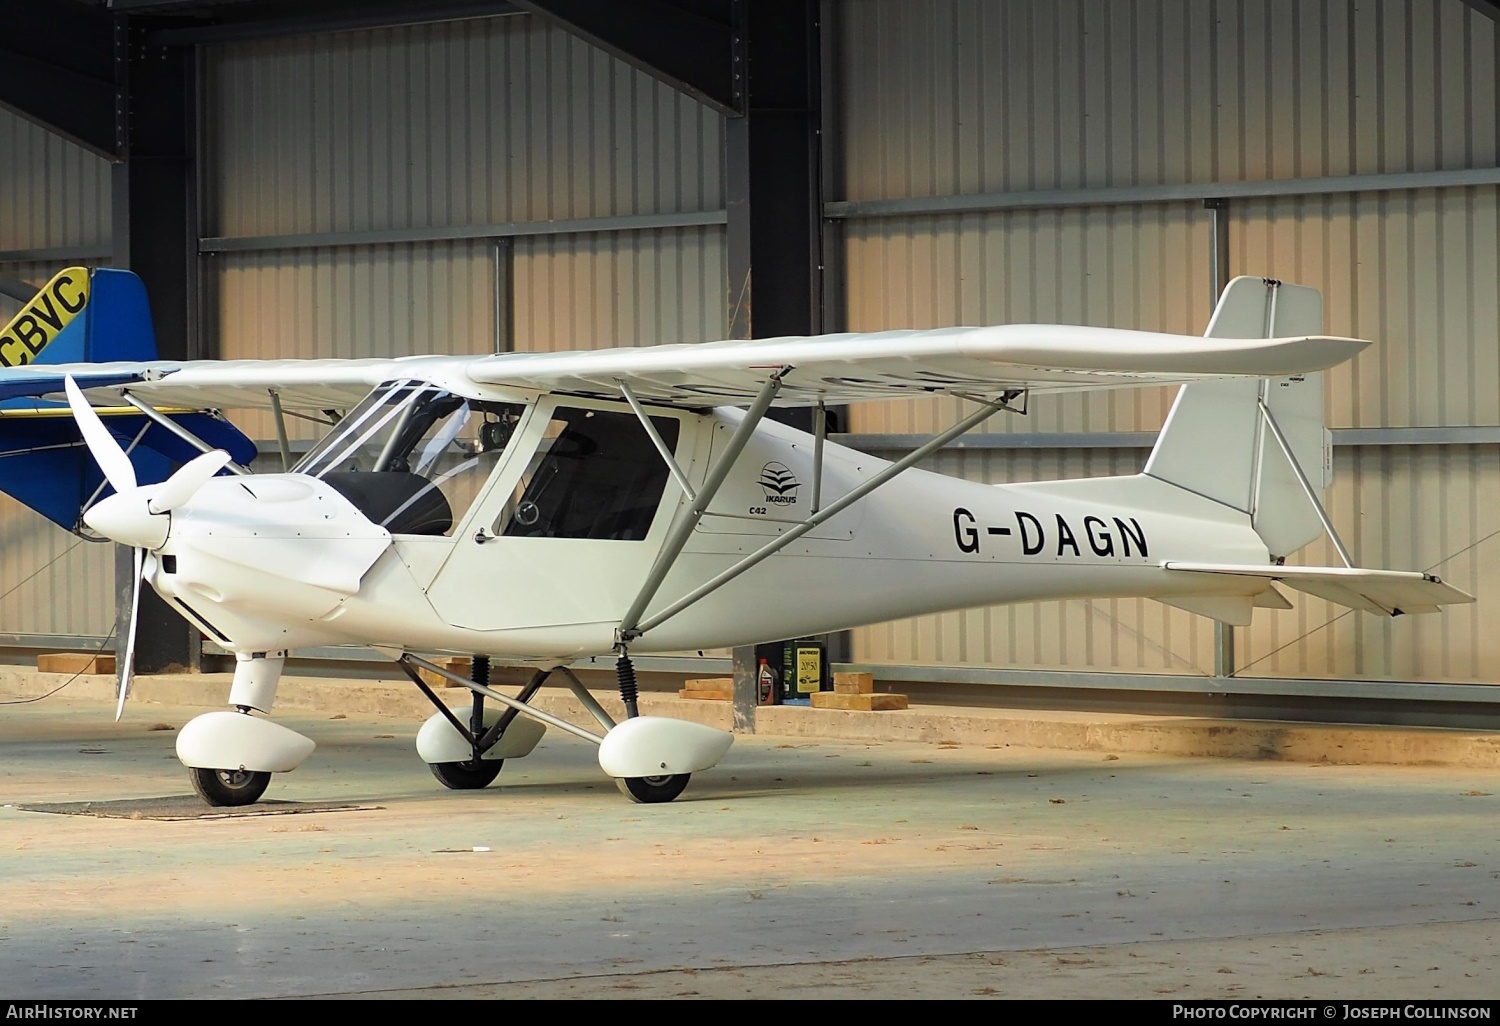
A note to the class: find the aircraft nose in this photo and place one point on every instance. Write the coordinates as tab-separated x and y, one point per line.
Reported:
125	518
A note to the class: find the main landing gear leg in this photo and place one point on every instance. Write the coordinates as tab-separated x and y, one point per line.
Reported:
476	772
467	759
645	790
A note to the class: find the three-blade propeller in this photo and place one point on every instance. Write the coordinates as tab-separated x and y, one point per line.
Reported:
135	515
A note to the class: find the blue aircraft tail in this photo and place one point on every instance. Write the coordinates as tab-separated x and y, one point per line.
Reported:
86	316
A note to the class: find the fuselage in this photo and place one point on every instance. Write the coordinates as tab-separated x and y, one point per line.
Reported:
291	560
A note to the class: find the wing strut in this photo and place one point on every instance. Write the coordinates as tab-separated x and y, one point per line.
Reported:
281	441
177	429
820	432
986	410
656	440
682	526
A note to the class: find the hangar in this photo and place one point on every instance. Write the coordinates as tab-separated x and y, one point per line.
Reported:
380	179
389	177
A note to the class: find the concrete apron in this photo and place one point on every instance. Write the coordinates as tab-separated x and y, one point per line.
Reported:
1067	731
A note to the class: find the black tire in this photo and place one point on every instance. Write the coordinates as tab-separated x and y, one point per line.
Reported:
653	790
221	787
466	776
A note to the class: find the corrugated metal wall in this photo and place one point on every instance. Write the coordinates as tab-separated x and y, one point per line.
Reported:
390	300
471	122
964	96
474	122
53	194
635	288
961	96
1138	267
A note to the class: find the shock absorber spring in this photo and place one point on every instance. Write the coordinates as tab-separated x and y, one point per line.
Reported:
479	673
625	675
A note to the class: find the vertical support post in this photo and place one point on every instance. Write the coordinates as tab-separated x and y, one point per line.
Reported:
746	697
774	183
154	198
1218	279
504	274
1218	249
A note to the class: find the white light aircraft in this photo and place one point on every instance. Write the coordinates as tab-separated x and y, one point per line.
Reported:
538	508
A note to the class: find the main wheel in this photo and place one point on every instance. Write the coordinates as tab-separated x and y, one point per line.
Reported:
229	787
653	790
467	776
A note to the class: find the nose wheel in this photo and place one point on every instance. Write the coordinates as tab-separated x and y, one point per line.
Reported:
223	787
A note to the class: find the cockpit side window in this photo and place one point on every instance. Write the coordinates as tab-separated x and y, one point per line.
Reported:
413	457
595	475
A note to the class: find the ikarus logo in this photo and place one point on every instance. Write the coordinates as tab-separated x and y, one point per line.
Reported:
779	484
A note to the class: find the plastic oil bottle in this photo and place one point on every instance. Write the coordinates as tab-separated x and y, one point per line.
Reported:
766	683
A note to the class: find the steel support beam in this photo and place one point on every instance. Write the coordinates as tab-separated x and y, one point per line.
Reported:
684	43
774	174
155	234
449	233
57	69
1218	280
230	22
774	198
1189	192
1342	438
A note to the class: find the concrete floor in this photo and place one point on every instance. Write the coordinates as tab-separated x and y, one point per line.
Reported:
797	868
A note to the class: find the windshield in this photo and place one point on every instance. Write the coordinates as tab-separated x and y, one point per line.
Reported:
412	457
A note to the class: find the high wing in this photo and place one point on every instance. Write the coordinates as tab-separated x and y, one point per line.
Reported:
226	384
983	362
852	367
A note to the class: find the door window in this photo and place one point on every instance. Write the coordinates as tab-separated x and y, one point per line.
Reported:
595	475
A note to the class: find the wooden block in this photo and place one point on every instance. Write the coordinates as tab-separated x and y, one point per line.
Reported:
75	662
854	683
461	665
709	684
706	696
863	703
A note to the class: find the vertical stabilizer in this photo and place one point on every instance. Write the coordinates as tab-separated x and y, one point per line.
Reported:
1215	442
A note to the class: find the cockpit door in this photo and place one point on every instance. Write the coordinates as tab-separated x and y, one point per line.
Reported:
568	528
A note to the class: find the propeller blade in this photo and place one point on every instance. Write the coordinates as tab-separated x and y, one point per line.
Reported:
184	484
102	445
135	607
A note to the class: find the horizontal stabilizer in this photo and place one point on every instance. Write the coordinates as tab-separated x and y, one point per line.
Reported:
1392	592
